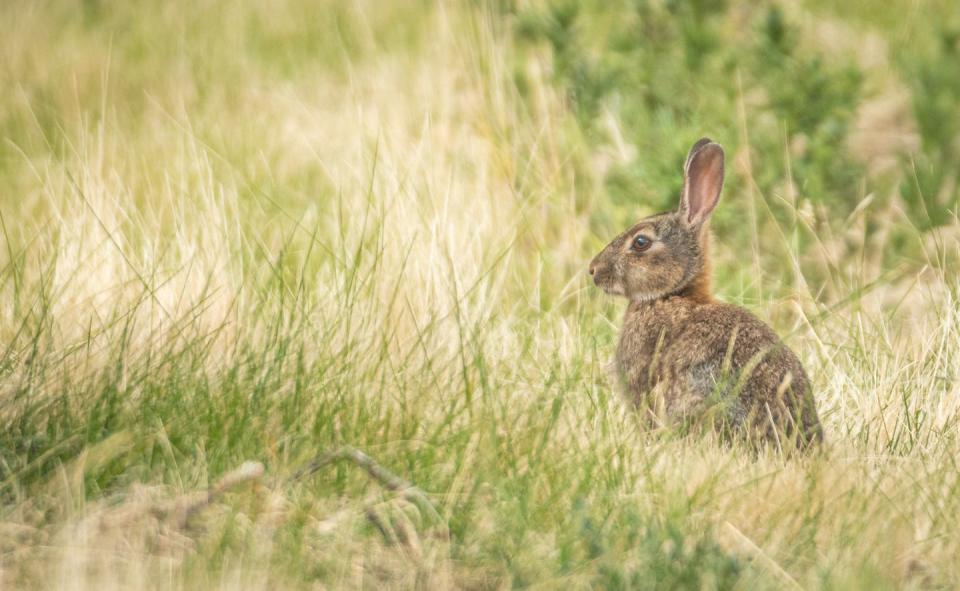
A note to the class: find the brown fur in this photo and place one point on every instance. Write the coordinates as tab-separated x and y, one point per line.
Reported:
685	357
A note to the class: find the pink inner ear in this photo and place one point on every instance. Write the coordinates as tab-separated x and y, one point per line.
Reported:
703	182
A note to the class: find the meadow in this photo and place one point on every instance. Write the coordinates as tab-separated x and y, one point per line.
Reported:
293	294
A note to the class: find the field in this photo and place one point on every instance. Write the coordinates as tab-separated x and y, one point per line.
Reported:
294	293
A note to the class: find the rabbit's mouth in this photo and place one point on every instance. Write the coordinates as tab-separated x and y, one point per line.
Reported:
610	287
607	279
615	290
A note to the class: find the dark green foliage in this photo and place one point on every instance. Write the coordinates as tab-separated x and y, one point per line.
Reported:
673	72
932	189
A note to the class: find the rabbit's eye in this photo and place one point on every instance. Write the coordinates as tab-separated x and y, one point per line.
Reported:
641	243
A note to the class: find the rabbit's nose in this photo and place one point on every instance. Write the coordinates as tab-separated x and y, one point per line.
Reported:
593	269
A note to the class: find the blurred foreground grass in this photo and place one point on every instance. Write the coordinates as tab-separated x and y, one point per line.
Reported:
261	233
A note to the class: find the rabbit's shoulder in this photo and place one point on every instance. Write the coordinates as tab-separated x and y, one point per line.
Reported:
728	321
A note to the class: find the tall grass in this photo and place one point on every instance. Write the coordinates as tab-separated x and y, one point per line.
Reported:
262	233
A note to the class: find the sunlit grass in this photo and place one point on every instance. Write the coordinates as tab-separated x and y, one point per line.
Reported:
258	234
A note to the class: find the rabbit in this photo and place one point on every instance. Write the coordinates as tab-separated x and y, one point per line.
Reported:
684	357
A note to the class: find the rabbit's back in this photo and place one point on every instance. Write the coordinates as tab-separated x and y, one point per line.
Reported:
685	359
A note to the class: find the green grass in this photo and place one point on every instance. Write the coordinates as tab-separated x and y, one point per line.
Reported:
262	233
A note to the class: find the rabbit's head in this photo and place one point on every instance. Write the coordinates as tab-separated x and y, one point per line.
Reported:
666	254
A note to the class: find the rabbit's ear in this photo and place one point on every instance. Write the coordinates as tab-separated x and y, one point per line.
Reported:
702	181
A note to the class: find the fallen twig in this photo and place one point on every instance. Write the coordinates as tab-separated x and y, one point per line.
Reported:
385	477
392	532
246	472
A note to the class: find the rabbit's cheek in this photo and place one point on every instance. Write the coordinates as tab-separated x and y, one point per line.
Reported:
653	280
673	276
643	286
